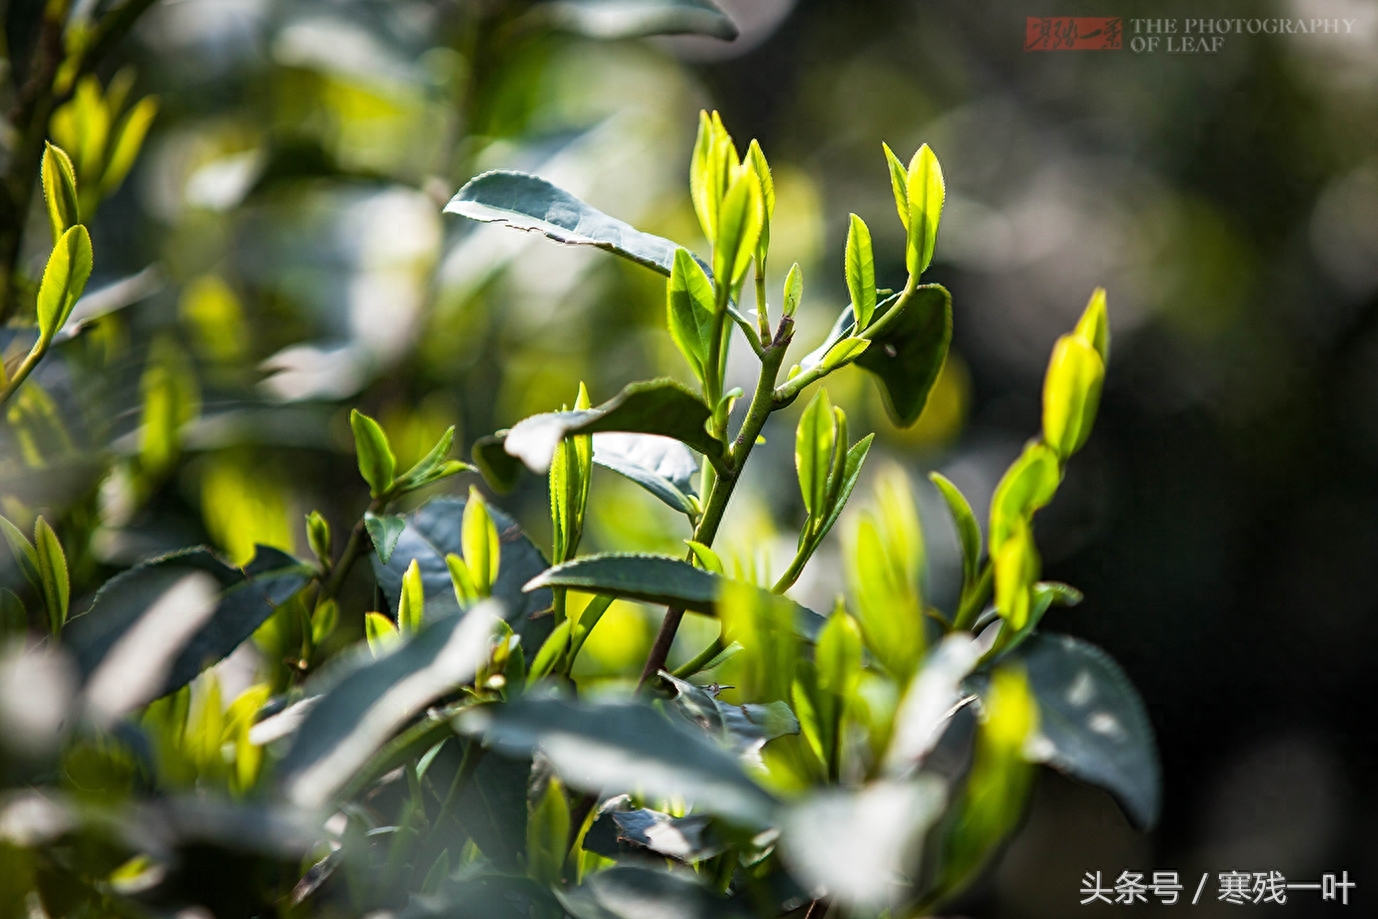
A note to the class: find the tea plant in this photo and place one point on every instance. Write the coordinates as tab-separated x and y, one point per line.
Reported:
869	761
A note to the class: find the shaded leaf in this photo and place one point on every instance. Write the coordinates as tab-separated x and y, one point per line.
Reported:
527	202
964	520
433	531
355	718
930	702
684	838
615	747
661	465
243	600
744	729
661	407
614	19
858	846
1094	722
384	531
636	892
376	462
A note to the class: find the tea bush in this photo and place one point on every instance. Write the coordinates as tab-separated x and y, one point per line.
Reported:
867	760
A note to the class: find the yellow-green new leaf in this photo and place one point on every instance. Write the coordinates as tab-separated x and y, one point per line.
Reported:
707	558
689	305
479	540
466	591
64	278
411	605
813	452
547	835
324	620
52	567
376	463
968	530
1071	394
60	191
925	193
837	655
127	140
1094	325
794	289
381	634
318	537
1016	565
739	227
899	184
756	158
861	272
1029	484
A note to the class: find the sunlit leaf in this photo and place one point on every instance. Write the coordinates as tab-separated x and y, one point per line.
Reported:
861	272
663	466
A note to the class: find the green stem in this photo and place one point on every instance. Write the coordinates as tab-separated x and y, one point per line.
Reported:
974	600
35	355
796	568
762	404
715	647
762	311
790	389
353	548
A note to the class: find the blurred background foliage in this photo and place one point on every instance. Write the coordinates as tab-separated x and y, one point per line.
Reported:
277	255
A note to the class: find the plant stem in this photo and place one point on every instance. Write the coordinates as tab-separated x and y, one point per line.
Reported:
35	355
975	600
762	404
352	550
791	388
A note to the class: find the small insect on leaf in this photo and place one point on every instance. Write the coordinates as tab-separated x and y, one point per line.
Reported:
861	272
376	462
64	278
813	452
925	191
479	540
60	191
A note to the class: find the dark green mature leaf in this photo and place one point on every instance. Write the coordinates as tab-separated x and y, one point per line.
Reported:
356	718
661	407
492	808
684	838
909	354
1094	721
528	202
654	579
744	729
384	531
500	469
615	747
614	19
649	578
246	598
636	892
479	894
433	531
664	467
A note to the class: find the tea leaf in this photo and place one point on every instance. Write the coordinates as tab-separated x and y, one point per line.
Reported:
1029	484
434	531
689	303
1071	394
384	531
794	289
527	202
924	186
411	608
861	272
127	140
365	709
1094	325
664	467
740	219
243	601
630	891
899	184
60	191
743	729
813	452
479	539
615	19
52	569
612	747
648	578
64	278
661	407
376	462
968	530
547	835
